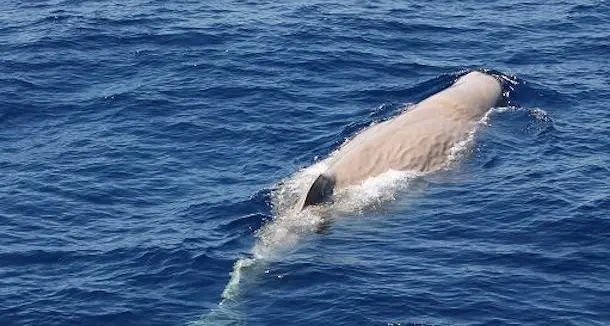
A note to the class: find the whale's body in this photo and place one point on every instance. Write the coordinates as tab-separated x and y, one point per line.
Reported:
417	140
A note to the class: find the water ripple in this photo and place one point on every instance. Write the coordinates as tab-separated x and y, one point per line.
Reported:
145	147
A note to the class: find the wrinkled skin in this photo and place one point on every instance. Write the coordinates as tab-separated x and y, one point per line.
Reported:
418	140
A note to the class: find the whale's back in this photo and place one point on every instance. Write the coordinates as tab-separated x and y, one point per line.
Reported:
418	140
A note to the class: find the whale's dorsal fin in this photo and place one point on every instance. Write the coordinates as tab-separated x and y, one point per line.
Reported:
320	190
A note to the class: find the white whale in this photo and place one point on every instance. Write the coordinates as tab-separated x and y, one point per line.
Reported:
418	140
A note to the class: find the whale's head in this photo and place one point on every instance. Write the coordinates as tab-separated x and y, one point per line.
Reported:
477	89
506	83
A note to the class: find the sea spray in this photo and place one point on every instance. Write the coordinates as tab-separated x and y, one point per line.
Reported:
227	313
231	291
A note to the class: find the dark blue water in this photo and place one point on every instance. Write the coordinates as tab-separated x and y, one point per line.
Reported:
144	143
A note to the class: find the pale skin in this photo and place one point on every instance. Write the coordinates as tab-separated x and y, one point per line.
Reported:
420	138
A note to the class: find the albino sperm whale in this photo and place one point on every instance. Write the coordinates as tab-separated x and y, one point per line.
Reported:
417	140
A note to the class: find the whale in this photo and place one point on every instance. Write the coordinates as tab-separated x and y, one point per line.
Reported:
419	139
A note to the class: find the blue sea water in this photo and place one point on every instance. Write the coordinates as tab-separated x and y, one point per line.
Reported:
148	147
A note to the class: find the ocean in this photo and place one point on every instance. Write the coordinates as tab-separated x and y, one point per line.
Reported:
150	151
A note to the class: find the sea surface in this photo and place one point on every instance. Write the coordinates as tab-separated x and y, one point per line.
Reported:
150	151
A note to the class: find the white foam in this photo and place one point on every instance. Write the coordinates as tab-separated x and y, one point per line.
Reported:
540	115
231	290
